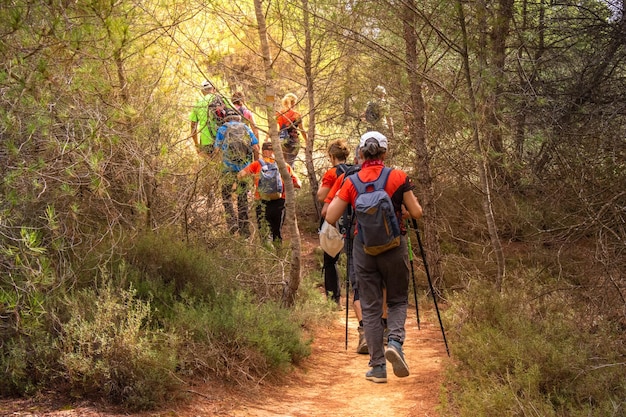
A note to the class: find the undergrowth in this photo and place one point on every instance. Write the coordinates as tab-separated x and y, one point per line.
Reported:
531	350
165	313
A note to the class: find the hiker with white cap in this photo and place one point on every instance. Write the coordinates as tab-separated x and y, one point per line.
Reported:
203	128
380	252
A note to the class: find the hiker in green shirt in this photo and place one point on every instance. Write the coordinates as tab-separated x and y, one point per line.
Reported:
202	131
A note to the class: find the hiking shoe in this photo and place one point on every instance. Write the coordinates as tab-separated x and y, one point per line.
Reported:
362	346
377	374
386	336
394	354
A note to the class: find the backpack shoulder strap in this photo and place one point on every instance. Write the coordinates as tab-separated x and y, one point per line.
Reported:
262	161
381	181
341	169
352	169
358	184
378	184
216	101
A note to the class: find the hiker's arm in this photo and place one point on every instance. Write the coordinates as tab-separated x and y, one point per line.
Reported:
296	181
243	173
335	210
412	205
302	129
325	210
253	125
217	143
255	151
322	192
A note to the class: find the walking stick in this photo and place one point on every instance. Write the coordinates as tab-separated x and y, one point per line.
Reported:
347	300
430	284
348	219
417	312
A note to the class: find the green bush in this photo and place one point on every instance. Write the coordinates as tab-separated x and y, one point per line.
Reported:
141	325
525	349
166	263
227	314
28	361
235	326
107	349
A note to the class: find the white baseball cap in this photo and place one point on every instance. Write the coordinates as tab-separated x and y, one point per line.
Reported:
207	84
380	90
380	138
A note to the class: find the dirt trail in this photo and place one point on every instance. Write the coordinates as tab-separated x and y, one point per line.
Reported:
331	382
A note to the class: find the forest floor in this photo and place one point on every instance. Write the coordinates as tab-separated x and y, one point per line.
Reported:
330	382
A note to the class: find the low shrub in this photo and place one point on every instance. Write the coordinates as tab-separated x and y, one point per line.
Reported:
166	313
236	338
525	350
107	348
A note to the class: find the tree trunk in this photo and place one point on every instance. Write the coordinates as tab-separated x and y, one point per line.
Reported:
291	287
417	128
483	171
308	72
495	81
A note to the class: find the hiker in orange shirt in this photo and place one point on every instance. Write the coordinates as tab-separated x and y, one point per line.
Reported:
269	192
290	127
388	266
337	154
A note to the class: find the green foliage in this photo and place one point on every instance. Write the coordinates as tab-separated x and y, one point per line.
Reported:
313	307
219	305
28	359
167	263
140	326
529	349
107	349
264	336
308	220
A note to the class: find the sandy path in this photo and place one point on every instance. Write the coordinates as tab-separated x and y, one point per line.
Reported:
332	381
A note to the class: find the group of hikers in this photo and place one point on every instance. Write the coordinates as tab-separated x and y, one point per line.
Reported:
367	201
226	127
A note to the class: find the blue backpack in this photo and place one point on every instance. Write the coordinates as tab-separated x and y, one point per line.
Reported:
377	223
270	182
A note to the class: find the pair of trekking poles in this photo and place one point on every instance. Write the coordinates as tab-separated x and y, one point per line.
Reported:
430	284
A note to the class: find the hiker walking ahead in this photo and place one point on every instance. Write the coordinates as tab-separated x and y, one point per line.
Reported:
203	127
239	104
330	194
270	192
290	127
238	147
377	114
380	253
337	154
361	347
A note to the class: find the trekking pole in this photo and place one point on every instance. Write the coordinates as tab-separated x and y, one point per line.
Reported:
347	303
430	284
348	269
417	312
